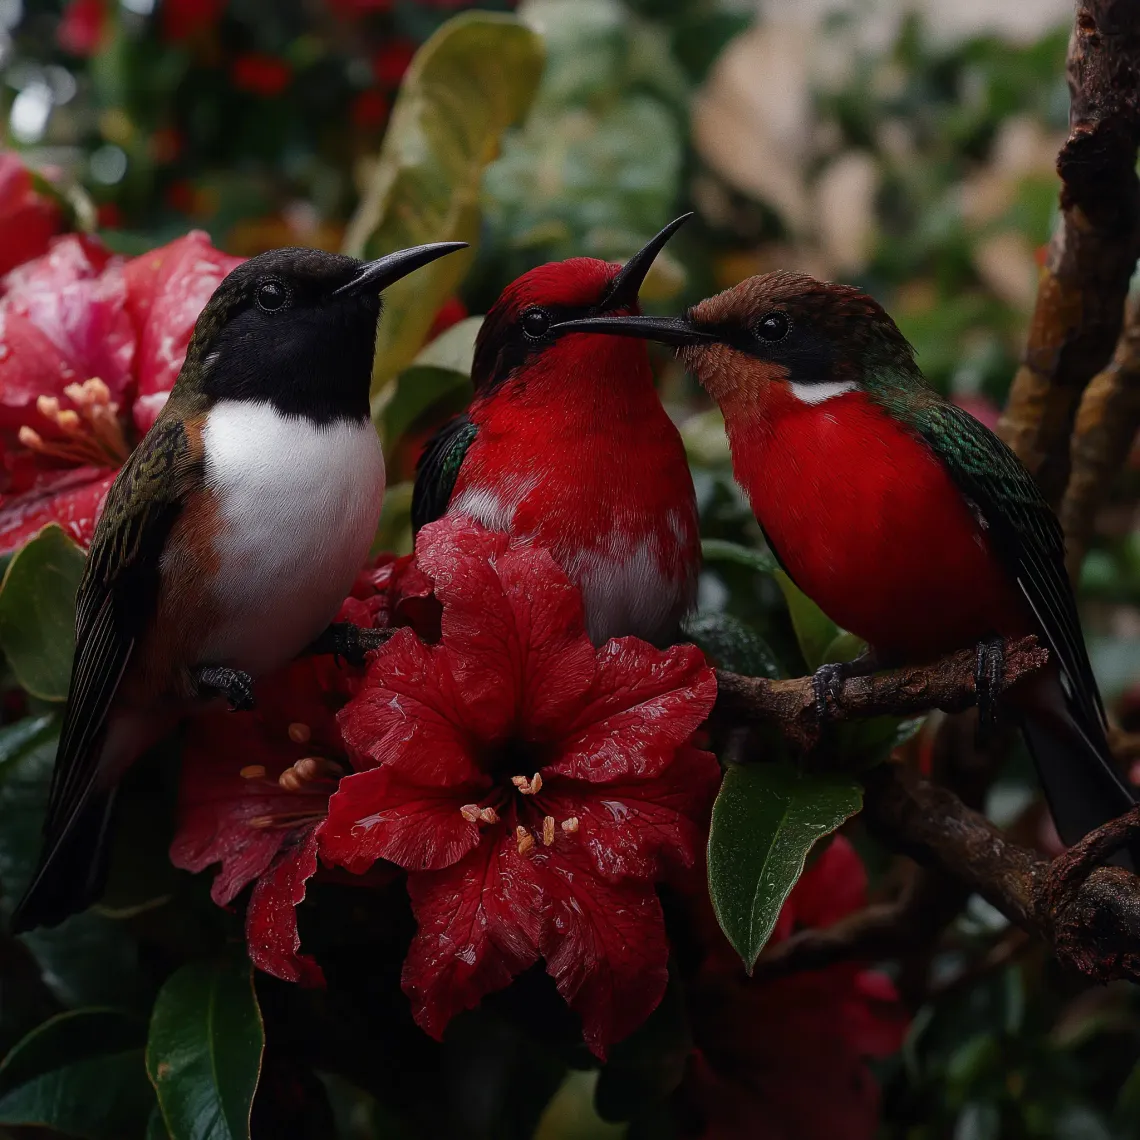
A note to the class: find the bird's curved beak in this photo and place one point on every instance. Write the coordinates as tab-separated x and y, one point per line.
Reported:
626	285
376	276
677	331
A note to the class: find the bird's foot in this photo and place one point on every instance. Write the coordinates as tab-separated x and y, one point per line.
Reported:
989	674
351	642
233	684
827	681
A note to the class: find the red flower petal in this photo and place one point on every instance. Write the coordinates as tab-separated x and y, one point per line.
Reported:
71	498
644	704
27	219
406	716
478	928
512	629
166	290
604	945
833	886
381	815
62	321
639	828
271	920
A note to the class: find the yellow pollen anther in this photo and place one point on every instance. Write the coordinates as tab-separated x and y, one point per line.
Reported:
48	407
547	830
488	815
529	787
91	435
290	780
31	438
524	839
470	812
252	772
68	421
570	825
300	733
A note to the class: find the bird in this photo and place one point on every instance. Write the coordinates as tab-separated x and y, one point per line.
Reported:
905	519
566	445
228	540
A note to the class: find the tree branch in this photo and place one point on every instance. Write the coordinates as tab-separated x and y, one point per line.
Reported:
1107	422
947	684
1080	300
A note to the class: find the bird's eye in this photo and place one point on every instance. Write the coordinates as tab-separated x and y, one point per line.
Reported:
773	326
271	296
535	322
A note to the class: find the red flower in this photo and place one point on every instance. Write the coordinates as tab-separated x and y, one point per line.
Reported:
261	74
786	1059
392	60
534	787
27	219
370	109
256	786
183	19
81	29
90	346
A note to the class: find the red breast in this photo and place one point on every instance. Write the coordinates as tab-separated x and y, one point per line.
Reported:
870	525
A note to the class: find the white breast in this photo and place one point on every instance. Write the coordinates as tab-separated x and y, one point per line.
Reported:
300	503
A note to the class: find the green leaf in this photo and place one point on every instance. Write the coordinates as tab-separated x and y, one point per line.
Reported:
203	1054
80	1074
37	613
718	550
471	81
765	820
732	644
815	631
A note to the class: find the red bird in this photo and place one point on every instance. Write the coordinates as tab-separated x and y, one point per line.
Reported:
903	517
566	445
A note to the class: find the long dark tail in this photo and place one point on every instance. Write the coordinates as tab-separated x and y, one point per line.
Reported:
1080	779
73	866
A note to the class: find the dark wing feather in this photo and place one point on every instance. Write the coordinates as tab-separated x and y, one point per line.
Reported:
1025	535
116	598
438	469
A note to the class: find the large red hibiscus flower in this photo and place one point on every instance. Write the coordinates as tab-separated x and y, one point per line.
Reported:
786	1059
90	346
534	787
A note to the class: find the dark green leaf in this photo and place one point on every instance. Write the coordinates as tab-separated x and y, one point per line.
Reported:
471	81
815	631
732	644
37	613
203	1053
718	550
765	820
80	1073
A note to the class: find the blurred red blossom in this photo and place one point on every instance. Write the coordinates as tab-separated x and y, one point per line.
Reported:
80	31
261	75
534	787
183	19
256	786
391	61
90	346
785	1059
27	219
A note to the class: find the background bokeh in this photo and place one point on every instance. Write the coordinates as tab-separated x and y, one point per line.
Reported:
906	148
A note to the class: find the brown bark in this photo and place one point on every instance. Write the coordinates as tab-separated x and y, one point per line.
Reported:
1092	254
1106	425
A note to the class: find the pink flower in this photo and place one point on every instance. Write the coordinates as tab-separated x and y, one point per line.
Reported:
534	787
27	219
90	346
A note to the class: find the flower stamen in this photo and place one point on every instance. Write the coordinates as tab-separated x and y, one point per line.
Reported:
309	770
470	812
529	787
524	839
92	434
300	733
570	825
488	815
547	830
253	772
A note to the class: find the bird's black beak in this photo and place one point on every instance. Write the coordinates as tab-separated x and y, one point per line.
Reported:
627	284
677	331
376	276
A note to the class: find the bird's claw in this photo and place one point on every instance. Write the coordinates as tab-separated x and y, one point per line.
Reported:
989	673
233	684
350	642
827	686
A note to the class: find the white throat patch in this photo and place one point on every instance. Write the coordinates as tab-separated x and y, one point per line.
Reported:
817	393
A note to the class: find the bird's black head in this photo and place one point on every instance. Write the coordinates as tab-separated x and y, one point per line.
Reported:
297	328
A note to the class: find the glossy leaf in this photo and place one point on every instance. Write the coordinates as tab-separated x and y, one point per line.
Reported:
471	81
718	550
37	613
732	644
765	821
815	631
80	1074
203	1054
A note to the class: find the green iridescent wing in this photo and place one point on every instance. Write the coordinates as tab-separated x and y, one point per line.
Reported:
116	599
1025	535
438	470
